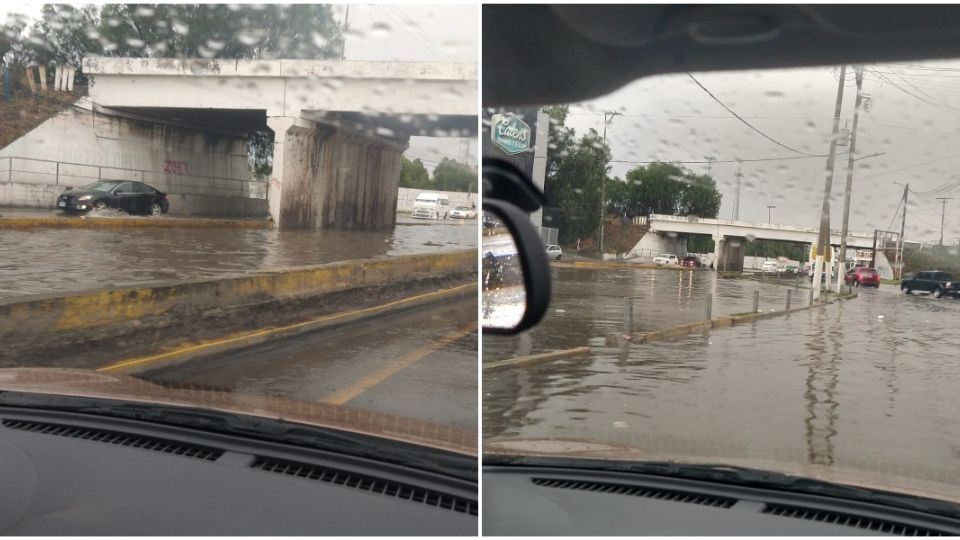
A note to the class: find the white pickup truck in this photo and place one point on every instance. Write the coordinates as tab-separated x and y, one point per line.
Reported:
666	258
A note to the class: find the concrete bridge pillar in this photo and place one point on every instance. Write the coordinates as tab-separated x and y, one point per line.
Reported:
328	176
728	254
718	242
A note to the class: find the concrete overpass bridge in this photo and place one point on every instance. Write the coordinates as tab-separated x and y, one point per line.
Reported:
668	234
340	127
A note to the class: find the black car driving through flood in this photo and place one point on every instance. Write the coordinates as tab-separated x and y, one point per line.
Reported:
126	195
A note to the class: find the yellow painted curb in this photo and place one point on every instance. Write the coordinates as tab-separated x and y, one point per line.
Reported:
130	222
537	358
188	351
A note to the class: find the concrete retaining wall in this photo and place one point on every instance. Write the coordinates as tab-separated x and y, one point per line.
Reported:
19	195
69	324
79	146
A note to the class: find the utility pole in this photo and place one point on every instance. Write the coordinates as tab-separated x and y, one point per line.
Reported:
603	174
943	213
842	259
343	47
898	267
823	240
769	208
710	160
736	200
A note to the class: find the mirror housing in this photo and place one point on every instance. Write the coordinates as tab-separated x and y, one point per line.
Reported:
512	252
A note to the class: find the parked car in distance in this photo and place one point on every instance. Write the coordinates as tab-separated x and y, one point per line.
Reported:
862	276
554	252
666	258
936	283
430	206
463	212
769	266
691	261
127	195
792	269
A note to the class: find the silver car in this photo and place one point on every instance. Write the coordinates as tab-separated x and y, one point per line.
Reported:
554	251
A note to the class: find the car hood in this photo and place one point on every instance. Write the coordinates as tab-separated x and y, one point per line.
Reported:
91	384
589	449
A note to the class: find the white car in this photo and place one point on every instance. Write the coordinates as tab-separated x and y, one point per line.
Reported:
430	206
463	212
666	258
554	252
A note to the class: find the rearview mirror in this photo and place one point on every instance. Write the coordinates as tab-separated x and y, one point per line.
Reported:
515	272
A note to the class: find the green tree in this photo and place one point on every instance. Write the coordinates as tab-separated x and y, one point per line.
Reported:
572	184
451	175
413	174
664	188
64	34
700	197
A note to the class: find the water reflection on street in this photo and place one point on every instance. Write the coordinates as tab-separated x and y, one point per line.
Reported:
867	384
59	260
588	304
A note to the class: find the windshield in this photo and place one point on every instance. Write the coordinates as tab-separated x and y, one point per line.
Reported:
803	371
279	255
101	186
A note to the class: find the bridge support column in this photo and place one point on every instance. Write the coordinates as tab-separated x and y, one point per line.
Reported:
331	177
718	242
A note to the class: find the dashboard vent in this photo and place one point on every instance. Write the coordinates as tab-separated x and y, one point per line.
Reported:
637	491
879	526
123	439
368	483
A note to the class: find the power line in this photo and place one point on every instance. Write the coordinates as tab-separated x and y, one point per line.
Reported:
403	20
748	124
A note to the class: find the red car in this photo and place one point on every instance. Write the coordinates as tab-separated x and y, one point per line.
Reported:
862	276
690	261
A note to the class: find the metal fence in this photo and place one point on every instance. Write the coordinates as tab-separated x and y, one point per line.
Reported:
61	173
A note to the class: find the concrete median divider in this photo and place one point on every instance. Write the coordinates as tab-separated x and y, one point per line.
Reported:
130	222
84	326
718	322
537	358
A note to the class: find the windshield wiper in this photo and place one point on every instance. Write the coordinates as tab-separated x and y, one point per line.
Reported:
741	476
267	429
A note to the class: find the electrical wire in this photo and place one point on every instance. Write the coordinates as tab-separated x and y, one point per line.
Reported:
748	124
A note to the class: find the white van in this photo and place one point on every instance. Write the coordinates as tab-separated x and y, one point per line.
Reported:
431	206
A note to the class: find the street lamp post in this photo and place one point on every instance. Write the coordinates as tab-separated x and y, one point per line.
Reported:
769	208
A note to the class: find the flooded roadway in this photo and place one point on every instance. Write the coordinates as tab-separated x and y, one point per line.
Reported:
869	384
47	260
418	364
588	304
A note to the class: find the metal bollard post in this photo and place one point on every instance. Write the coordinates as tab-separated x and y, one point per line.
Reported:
756	301
709	307
789	296
627	316
810	301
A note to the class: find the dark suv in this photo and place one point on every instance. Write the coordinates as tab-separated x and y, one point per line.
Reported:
937	283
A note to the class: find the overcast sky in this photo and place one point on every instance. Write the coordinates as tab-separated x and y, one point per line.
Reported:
402	33
913	118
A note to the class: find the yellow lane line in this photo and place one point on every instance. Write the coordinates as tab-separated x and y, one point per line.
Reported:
246	336
346	394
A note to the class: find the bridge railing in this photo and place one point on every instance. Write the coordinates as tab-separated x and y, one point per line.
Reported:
61	173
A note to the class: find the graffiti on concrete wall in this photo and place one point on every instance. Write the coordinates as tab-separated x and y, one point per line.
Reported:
176	167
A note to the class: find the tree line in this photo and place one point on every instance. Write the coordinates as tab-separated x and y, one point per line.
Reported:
578	172
448	175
